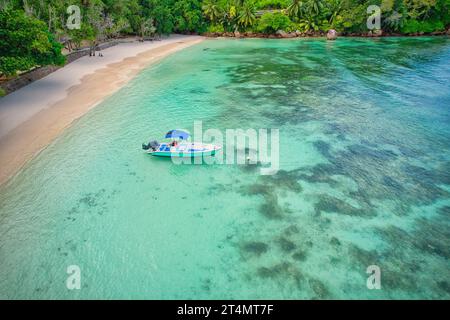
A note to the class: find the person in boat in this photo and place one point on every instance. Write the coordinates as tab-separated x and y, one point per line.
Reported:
174	143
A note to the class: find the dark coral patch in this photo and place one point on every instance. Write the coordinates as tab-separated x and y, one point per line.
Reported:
250	167
282	271
299	256
267	186
291	230
430	237
324	148
335	241
444	286
271	208
255	248
274	271
331	204
398	280
363	257
284	179
444	211
257	189
286	245
375	154
320	173
318	288
89	200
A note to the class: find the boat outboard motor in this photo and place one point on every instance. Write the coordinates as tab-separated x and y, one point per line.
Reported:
151	145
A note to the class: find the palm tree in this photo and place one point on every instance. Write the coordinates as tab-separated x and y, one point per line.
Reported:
229	15
335	7
309	24
394	22
211	10
296	9
315	7
247	16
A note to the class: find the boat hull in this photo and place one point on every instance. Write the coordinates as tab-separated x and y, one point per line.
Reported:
184	155
191	150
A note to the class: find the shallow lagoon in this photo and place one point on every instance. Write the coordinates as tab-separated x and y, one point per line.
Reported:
364	179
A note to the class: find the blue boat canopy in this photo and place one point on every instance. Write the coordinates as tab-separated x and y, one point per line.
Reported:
178	134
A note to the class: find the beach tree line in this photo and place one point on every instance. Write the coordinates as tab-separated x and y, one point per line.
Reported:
309	16
32	31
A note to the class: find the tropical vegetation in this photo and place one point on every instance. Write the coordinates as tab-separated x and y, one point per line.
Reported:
31	30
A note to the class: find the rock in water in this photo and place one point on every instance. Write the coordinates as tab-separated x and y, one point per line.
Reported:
237	34
332	34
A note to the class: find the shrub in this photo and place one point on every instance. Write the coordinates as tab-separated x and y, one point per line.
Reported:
414	26
352	20
272	22
216	28
2	92
272	4
25	42
10	65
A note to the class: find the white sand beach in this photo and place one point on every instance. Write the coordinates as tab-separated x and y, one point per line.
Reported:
35	115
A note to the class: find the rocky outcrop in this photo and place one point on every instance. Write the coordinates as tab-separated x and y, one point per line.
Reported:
332	34
282	34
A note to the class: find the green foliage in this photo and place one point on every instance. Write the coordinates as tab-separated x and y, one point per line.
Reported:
216	28
104	19
25	42
271	4
414	26
296	9
352	20
272	22
86	32
2	92
212	10
315	7
160	11
230	18
188	16
247	16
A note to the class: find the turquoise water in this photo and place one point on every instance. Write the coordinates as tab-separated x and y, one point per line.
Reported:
364	180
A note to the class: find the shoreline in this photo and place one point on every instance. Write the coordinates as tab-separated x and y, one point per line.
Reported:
275	37
36	127
319	35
